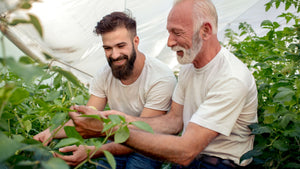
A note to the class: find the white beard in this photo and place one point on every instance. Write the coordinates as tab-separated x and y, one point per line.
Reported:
189	54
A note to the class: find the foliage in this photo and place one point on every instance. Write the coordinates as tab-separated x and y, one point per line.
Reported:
274	59
36	96
32	98
25	5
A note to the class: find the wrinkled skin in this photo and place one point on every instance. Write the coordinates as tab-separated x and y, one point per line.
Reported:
87	127
79	154
43	136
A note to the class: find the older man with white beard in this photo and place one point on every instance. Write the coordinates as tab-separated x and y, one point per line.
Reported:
213	103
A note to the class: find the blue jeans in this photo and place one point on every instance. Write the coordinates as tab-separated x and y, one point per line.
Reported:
198	164
132	161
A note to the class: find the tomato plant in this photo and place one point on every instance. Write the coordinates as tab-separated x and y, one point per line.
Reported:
32	98
274	59
36	96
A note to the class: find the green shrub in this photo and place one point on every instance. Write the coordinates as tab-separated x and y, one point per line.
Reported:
32	98
274	59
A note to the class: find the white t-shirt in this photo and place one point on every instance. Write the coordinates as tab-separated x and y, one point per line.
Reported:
153	89
220	96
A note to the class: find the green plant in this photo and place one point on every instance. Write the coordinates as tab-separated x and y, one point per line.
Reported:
32	98
35	96
120	136
274	59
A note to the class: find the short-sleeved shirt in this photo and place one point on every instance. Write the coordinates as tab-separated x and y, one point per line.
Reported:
153	89
220	96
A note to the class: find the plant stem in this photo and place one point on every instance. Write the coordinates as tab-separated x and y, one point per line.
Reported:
97	164
3	50
20	121
55	132
79	165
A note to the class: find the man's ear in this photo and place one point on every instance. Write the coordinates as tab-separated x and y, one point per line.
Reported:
206	31
136	41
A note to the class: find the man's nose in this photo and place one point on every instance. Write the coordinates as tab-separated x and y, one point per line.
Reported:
171	41
115	53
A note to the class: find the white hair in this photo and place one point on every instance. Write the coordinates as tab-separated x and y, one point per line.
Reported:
203	11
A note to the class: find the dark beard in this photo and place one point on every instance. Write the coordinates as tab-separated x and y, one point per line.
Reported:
124	71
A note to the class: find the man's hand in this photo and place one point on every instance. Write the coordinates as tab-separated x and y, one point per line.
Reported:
80	154
87	127
43	136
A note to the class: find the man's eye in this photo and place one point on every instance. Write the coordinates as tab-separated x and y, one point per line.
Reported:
177	33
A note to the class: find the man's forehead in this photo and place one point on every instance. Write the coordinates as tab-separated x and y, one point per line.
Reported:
180	15
115	40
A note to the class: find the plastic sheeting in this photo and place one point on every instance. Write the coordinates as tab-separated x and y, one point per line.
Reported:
68	29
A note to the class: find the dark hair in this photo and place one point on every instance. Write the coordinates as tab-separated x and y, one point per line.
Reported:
116	20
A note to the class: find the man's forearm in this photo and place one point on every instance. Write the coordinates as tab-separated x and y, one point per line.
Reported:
166	124
114	148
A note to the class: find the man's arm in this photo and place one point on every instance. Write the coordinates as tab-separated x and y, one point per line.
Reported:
97	102
170	123
80	153
178	149
118	149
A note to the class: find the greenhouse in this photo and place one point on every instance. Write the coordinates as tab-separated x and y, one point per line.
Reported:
50	55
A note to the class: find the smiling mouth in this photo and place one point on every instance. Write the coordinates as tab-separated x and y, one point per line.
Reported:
119	62
180	53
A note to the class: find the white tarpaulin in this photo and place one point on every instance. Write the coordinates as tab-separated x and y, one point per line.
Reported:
68	29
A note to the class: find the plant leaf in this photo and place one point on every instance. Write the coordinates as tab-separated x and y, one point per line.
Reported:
261	130
66	142
26	72
57	120
251	153
47	56
68	75
27	124
36	23
8	147
18	96
71	132
110	158
121	135
107	126
281	145
266	24
55	163
52	95
79	100
292	165
284	95
91	116
142	125
26	5
115	119
18	21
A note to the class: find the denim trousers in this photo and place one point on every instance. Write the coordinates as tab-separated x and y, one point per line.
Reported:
198	164
132	161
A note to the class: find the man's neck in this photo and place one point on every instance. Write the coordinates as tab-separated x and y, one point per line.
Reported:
207	53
